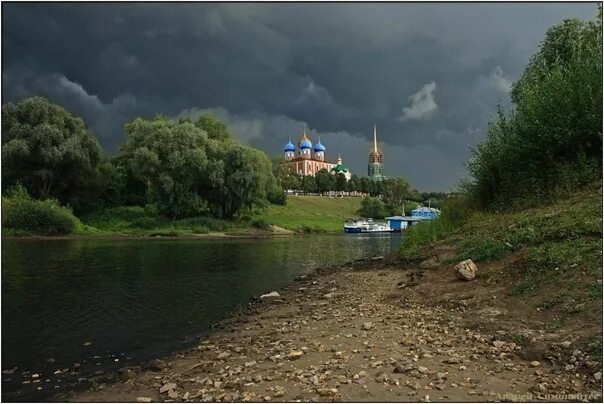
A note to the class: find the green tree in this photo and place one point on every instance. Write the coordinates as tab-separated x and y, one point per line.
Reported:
341	182
48	150
365	185
394	192
187	172
215	129
284	176
293	181
248	181
373	208
354	184
324	181
551	141
171	159
309	185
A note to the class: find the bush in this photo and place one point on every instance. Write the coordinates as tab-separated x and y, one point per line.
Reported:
260	224
144	222
209	223
423	234
277	197
48	217
200	230
373	208
456	212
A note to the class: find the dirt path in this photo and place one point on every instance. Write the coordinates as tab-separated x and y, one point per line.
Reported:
349	335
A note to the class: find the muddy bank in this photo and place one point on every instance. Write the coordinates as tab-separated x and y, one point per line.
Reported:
353	333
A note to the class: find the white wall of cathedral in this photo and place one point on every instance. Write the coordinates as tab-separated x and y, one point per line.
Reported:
320	155
289	155
305	153
311	167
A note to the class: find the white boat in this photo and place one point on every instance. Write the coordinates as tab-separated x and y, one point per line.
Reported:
366	226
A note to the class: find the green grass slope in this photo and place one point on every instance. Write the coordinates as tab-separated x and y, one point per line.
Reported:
312	213
543	262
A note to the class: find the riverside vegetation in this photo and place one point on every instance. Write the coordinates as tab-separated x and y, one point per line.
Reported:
171	177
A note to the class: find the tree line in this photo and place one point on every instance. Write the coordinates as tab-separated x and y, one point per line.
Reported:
182	167
174	168
323	181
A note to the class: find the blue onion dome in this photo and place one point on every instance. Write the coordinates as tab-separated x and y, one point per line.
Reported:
289	147
319	147
305	143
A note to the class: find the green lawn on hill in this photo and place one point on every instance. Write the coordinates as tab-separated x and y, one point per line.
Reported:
313	213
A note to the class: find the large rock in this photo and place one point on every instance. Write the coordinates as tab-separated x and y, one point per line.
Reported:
466	270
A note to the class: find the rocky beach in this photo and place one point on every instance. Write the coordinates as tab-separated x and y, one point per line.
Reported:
373	330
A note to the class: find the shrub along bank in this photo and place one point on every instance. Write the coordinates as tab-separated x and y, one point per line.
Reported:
23	215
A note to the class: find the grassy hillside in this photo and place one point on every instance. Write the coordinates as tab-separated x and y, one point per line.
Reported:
543	265
302	213
312	213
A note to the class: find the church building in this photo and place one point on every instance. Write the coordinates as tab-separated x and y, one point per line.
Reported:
307	159
375	168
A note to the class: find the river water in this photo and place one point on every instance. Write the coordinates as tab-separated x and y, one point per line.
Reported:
105	304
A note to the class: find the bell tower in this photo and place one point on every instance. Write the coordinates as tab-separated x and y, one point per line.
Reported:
375	166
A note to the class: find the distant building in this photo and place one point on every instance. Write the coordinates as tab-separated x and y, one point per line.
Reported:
340	169
307	159
425	213
398	223
375	168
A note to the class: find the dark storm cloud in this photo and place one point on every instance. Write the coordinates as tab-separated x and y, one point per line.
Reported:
430	75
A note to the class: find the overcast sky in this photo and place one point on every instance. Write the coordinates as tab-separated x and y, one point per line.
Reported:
429	75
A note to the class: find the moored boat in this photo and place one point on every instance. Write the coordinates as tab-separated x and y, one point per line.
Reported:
366	226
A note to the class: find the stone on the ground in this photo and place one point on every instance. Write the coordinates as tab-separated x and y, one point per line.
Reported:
566	344
367	326
167	387
535	364
466	270
327	392
269	295
143	399
293	355
223	355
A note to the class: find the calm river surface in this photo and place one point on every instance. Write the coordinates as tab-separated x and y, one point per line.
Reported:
110	303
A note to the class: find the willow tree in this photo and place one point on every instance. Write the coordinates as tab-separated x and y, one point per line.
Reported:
48	150
171	159
188	172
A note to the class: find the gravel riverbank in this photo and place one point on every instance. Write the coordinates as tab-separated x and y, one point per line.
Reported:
353	333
